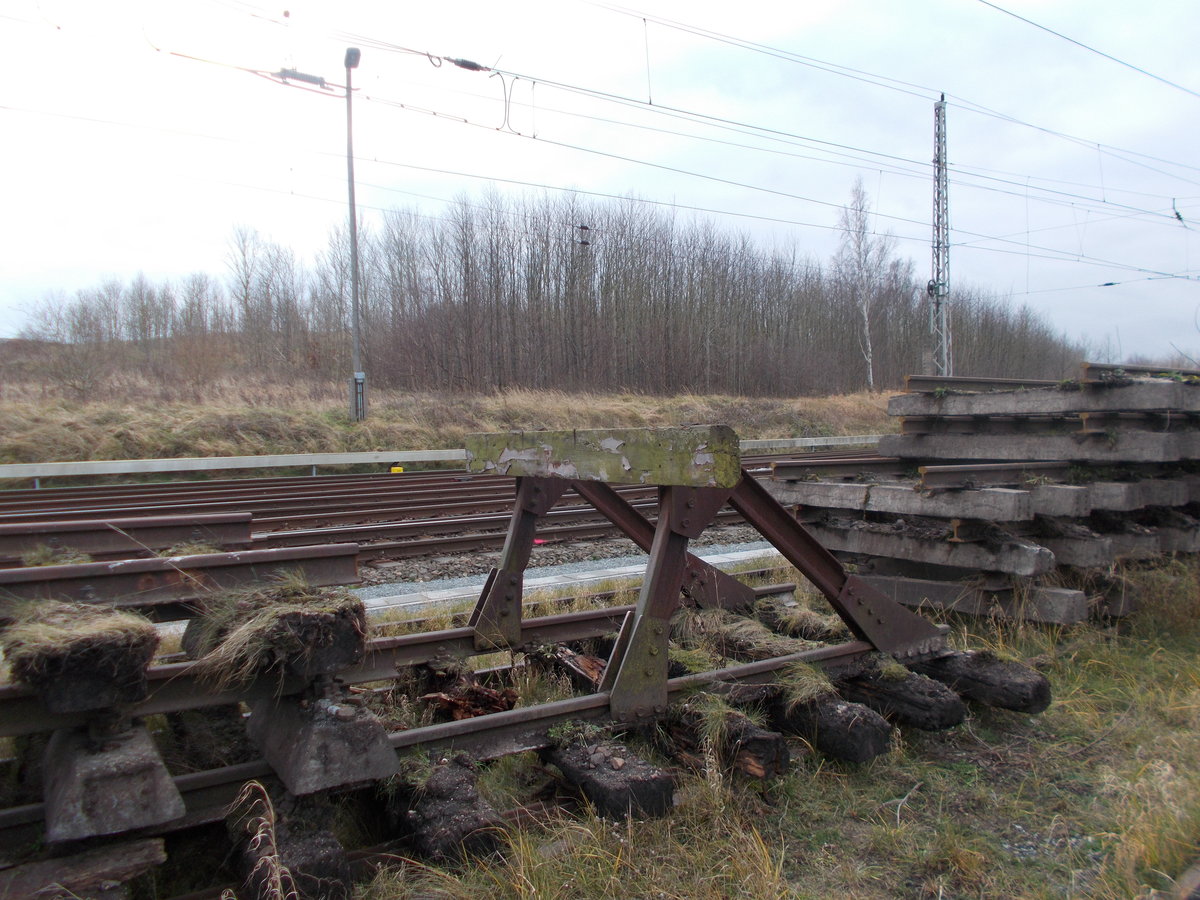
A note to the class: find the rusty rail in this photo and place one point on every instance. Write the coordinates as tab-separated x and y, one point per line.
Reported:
147	583
125	538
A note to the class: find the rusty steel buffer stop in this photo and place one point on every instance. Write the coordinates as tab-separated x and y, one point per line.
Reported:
698	471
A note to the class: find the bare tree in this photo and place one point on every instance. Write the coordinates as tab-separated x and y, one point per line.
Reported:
861	266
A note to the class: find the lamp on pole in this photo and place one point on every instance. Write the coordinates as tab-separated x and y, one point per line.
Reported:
358	381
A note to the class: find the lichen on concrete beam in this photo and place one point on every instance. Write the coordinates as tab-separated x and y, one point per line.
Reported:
692	456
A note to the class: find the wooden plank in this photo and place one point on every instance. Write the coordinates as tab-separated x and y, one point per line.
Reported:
82	875
693	456
994	504
1145	395
1038	604
1015	557
1128	446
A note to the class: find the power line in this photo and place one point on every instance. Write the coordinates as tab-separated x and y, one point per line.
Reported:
1180	276
922	91
1060	255
1090	49
857	162
761	131
770	133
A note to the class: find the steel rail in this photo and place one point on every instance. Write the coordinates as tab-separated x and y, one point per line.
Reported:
215	463
125	537
207	795
847	467
142	583
331	502
932	383
990	474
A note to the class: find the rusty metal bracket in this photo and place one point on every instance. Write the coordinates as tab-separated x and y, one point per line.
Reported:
639	687
693	509
704	584
871	615
497	614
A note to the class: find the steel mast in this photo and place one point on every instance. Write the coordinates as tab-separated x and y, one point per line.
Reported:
939	286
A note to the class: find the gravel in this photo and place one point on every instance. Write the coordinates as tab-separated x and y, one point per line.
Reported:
467	570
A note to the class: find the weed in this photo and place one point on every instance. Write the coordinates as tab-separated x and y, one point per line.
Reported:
255	817
45	555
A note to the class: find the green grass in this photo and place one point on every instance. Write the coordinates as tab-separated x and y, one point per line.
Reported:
1099	797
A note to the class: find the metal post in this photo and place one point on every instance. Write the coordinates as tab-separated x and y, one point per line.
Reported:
358	381
939	284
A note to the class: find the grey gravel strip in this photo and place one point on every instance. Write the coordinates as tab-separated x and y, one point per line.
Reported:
381	597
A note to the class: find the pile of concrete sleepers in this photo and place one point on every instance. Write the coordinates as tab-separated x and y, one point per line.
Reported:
994	487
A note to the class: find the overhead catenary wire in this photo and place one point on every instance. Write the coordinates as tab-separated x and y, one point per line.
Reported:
1090	49
1047	253
896	170
924	92
1059	198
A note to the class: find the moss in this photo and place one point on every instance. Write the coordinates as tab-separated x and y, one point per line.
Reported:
890	670
575	732
802	683
692	660
45	555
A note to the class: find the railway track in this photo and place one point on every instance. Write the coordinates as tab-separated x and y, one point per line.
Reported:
310	716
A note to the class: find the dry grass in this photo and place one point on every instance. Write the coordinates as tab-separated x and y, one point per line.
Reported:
732	636
709	848
243	634
46	635
253	814
1097	798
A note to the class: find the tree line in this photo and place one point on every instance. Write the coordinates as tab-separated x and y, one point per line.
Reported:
546	292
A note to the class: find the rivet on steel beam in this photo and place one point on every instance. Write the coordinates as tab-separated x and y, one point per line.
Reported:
654	651
505	612
691	504
649	673
685	522
660	709
512	579
658	630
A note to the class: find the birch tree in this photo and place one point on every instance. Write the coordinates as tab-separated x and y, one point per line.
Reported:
861	267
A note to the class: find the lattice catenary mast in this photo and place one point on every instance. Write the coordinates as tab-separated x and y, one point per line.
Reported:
939	285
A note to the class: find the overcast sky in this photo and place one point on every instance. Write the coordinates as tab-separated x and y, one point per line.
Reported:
136	139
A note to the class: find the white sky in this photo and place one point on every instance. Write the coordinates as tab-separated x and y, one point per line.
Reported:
121	155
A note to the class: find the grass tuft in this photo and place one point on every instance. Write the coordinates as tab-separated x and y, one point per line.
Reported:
242	634
45	555
46	636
